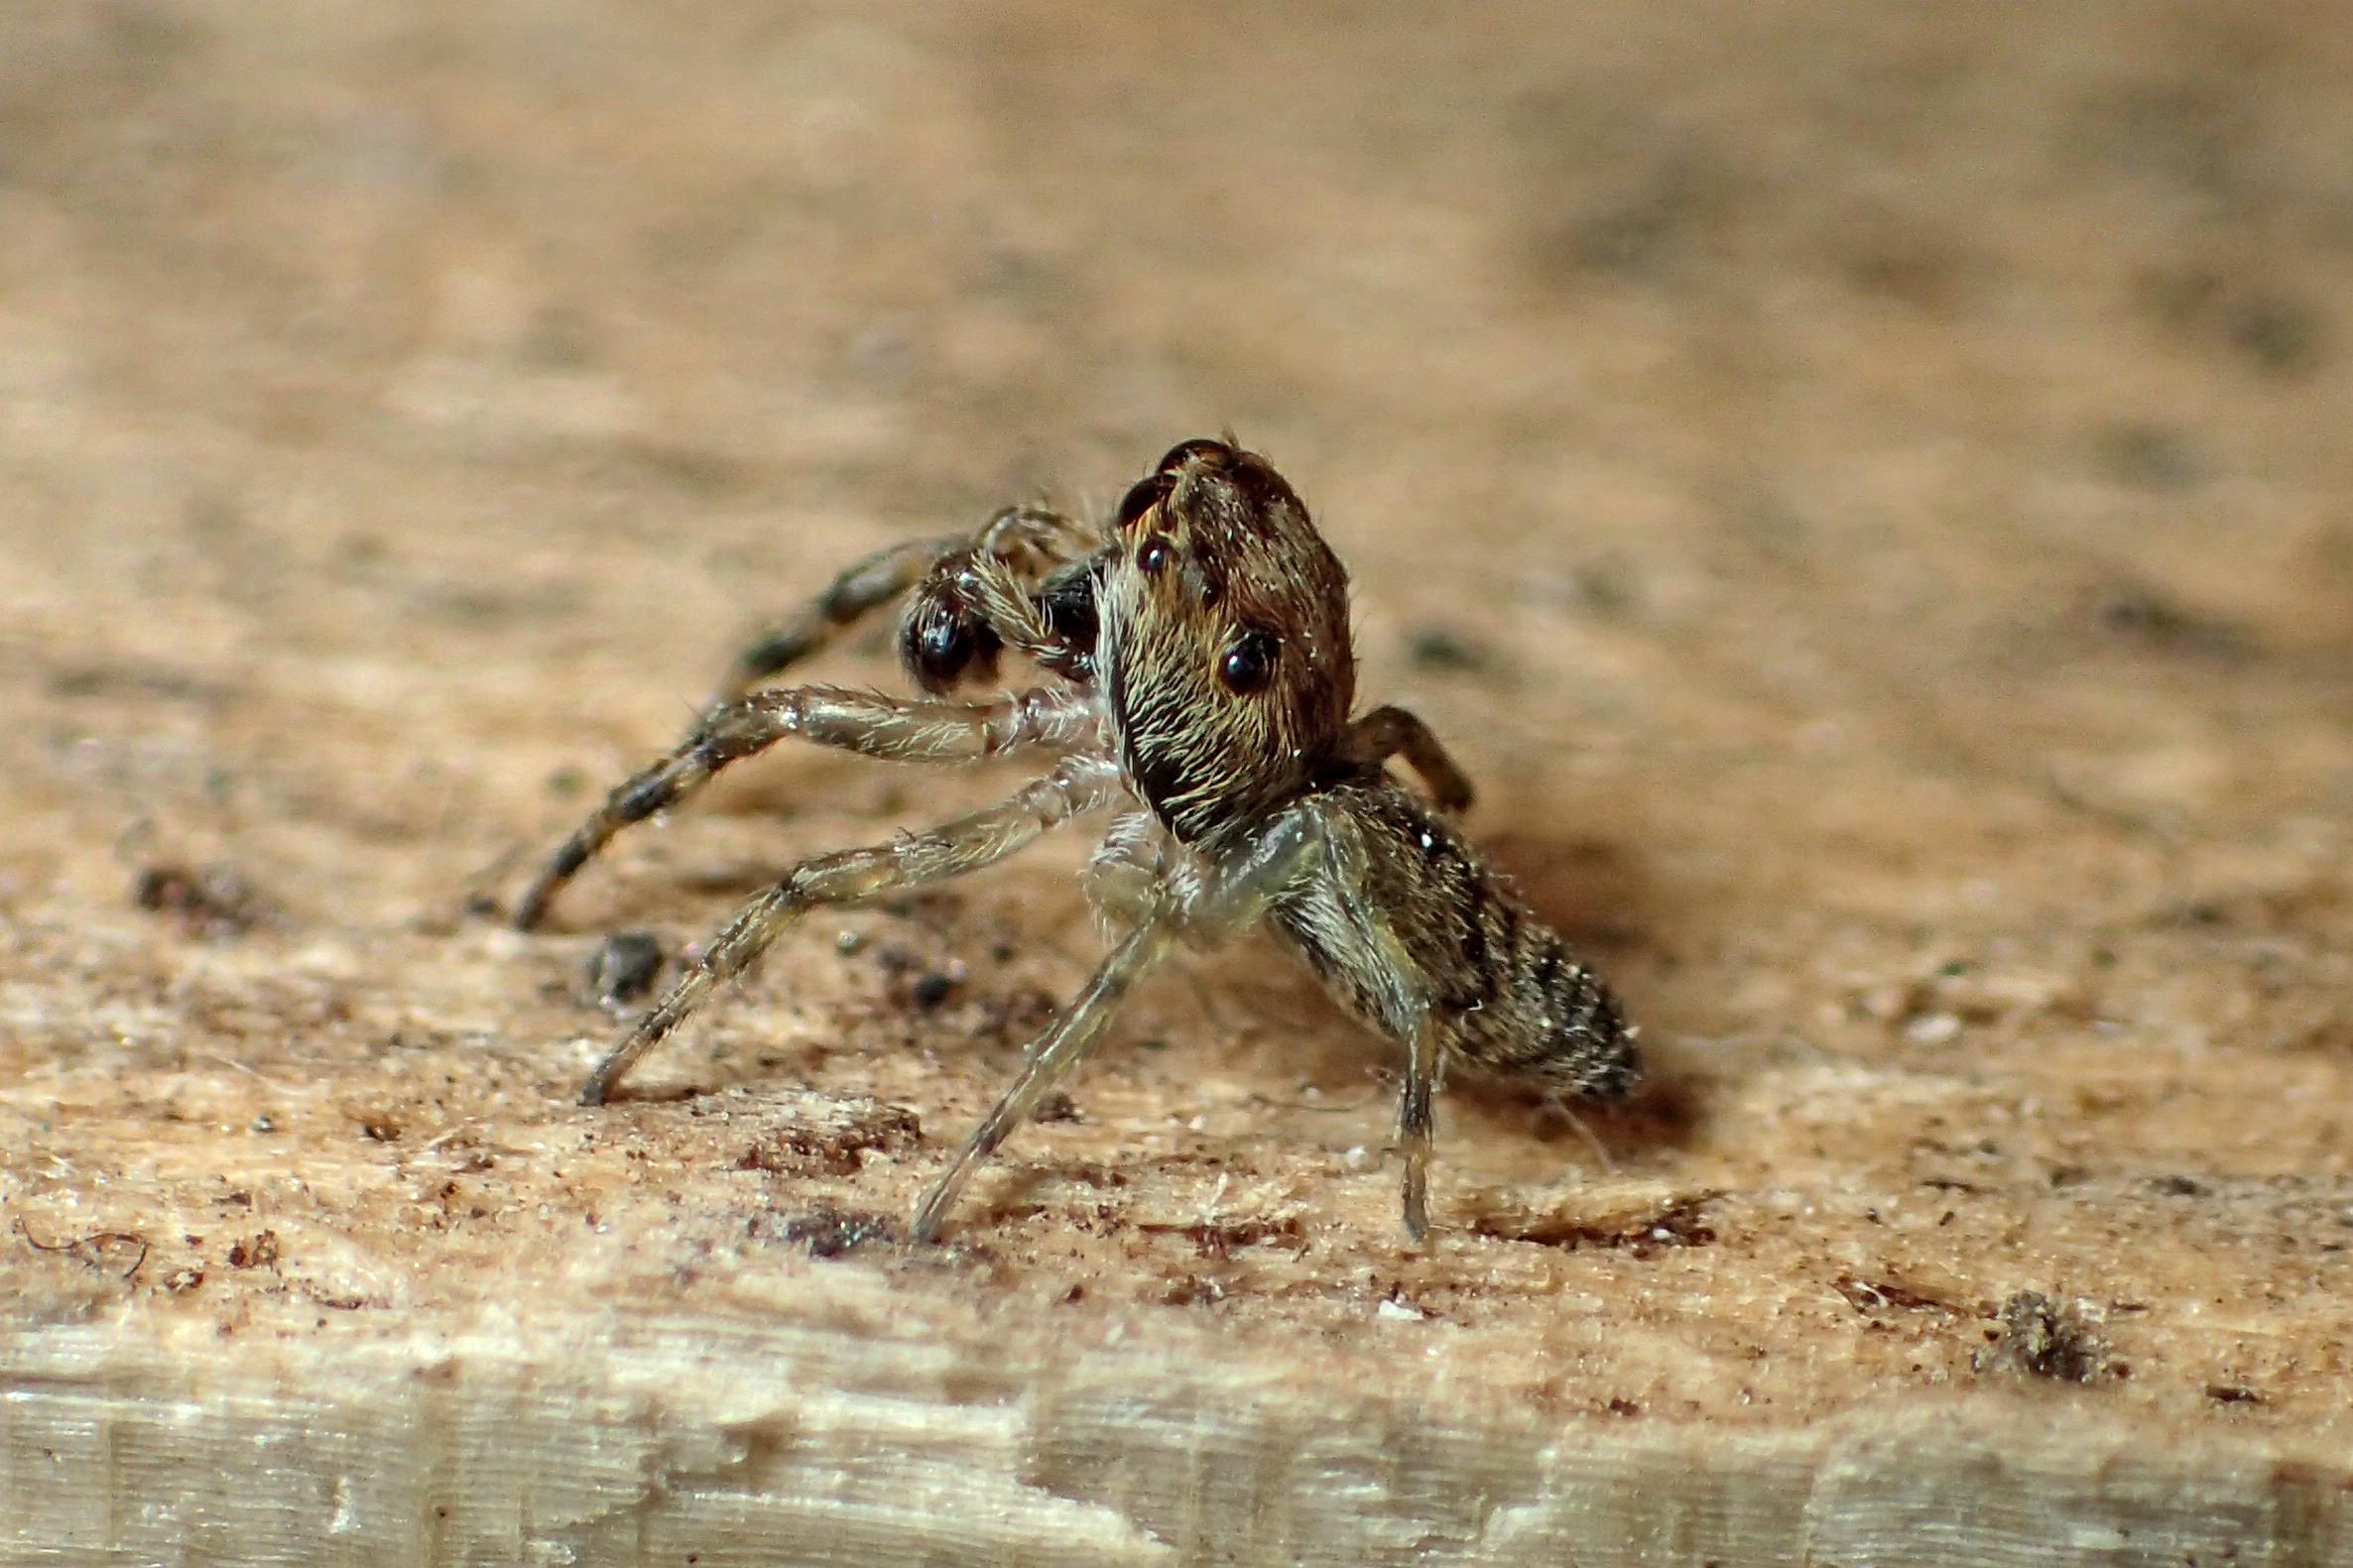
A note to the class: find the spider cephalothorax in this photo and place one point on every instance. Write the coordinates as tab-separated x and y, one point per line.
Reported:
1204	684
1225	662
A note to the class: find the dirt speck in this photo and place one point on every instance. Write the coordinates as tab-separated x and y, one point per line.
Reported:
2043	1338
1222	1239
624	967
828	1231
1875	1296
213	903
257	1252
833	1149
1680	1223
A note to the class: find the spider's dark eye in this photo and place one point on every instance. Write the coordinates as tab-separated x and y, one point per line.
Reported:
946	647
1152	558
1248	663
941	647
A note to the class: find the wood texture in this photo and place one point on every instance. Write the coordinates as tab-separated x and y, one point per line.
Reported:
1864	492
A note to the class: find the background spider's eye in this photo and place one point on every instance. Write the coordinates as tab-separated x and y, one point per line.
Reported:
942	645
1248	663
1153	556
947	646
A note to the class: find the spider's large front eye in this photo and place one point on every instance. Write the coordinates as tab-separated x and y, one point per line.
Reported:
942	645
1248	663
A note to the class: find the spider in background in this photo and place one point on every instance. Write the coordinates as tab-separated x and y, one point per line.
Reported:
1202	685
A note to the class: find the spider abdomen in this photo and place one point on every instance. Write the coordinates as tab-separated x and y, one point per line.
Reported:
1433	928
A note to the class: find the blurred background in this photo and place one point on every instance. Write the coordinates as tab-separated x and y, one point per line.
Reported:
1865	487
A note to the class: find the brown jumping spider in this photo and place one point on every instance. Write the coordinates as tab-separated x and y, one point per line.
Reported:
1204	680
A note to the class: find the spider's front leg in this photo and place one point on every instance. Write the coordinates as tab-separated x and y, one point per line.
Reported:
1077	784
866	722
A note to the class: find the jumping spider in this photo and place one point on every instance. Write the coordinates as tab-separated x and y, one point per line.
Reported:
1204	680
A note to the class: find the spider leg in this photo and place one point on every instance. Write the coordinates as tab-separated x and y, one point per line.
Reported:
866	586
1202	910
1021	543
1124	877
1352	940
867	722
1391	731
1414	1126
1048	1059
1077	784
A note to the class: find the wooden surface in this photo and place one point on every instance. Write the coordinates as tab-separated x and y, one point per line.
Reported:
1865	492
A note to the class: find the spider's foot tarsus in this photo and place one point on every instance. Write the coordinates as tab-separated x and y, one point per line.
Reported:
1417	1197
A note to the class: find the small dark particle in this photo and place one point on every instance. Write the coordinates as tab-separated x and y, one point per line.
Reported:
379	1129
2232	1394
828	1231
259	1252
2040	1338
1444	647
803	1150
1885	1296
213	903
1194	1291
2280	335
2151	456
2180	1186
624	966
1056	1107
931	991
1624	1408
1221	1240
480	906
2160	624
1680	1223
182	1281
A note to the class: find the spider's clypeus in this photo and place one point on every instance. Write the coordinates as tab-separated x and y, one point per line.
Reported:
1201	688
